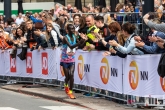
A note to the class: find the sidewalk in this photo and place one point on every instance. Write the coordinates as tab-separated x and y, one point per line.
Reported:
54	93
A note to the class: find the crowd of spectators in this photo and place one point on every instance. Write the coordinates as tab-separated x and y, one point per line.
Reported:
114	33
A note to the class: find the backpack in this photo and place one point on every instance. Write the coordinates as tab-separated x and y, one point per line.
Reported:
58	37
161	66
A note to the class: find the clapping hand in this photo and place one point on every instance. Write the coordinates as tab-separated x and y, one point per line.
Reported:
153	38
139	44
23	39
137	38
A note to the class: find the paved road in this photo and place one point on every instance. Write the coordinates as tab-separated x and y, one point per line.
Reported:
16	101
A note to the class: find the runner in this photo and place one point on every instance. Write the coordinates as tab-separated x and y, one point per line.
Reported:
67	60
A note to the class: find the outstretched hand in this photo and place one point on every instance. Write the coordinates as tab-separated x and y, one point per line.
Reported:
83	36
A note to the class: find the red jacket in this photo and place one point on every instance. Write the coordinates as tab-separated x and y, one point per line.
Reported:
4	44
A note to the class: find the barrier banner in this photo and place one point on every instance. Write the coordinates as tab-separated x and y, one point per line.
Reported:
2	63
92	69
38	64
83	67
44	64
15	66
135	75
60	71
141	77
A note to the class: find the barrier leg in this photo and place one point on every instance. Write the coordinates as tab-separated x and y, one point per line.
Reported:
34	81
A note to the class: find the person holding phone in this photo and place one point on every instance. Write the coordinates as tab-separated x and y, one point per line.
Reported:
153	38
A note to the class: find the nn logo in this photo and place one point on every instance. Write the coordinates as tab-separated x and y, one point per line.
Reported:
105	71
44	63
29	66
134	75
82	67
12	65
162	82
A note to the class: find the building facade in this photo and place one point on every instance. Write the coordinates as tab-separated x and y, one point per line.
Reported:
65	2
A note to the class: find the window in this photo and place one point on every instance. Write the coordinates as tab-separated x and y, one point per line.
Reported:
60	1
96	2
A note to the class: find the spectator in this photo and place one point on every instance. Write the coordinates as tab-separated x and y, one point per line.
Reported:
114	27
83	27
14	17
52	36
75	10
8	27
90	32
31	37
69	8
107	17
3	44
153	48
14	25
104	32
19	19
76	22
57	10
121	38
40	39
61	21
18	41
129	47
151	24
1	18
48	19
2	24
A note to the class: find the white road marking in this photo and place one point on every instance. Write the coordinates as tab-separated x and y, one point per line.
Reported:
62	108
7	108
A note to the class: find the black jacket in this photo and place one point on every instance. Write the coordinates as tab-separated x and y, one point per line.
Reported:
161	66
31	37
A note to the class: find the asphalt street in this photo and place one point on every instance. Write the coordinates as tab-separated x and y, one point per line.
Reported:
16	101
